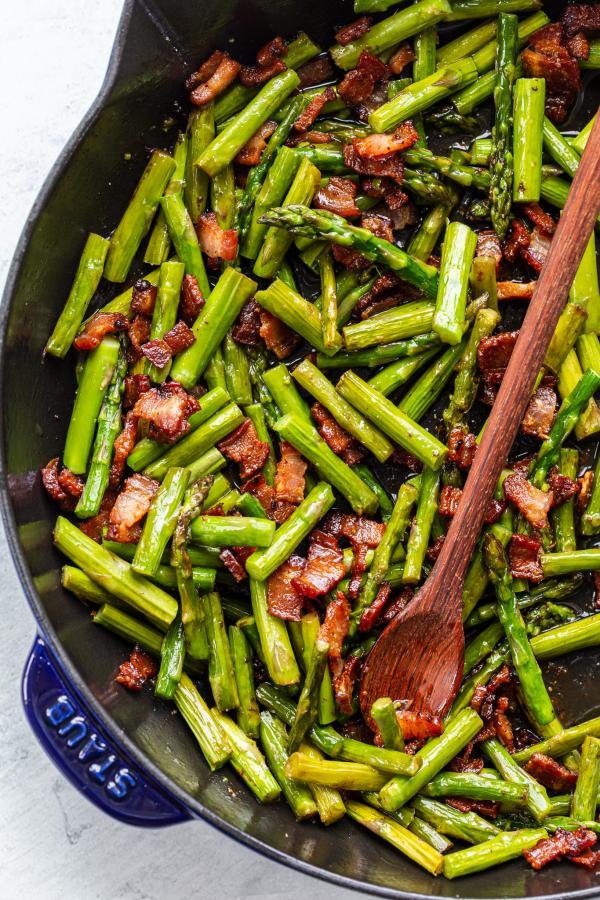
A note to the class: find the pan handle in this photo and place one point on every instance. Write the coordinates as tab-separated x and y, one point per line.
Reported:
92	762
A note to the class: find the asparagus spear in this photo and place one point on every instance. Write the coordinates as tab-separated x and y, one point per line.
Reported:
307	709
159	242
330	804
497	850
325	738
585	797
563	517
537	798
220	666
172	654
420	530
285	394
467	43
329	302
468	827
407	321
423	242
317	223
465	384
87	278
184	237
501	162
76	581
233	531
529	97
95	379
383	713
247	760
273	737
394	762
228	143
274	639
136	219
347	776
309	633
559	148
585	291
569	377
248	714
200	132
300	315
272	193
165	310
425	391
160	521
476	9
457	255
476	787
567	740
398	836
205	727
376	356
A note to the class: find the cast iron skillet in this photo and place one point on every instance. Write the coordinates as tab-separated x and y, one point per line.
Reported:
131	755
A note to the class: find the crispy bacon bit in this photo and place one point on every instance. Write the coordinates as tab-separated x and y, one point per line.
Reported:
515	290
97	327
284	600
353	30
539	414
378	225
315	72
390	166
232	564
418	725
401	58
360	530
461	448
247	326
539	217
350	259
139	333
537	251
551	773
324	567
277	510
524	556
589	860
483	807
251	152
334	630
517	240
212	78
134	387
488	244
167	409
359	566
268	63
310	137
374	146
581	17
356	87
381	288
562	843
503	728
449	500
465	762
179	338
158	353
244	447
95	528
343	685
143	297
434	550
289	476
585	490
130	507
313	110
59	491
373	613
338	197
494	352
397	605
279	339
191	301
547	57
335	437
216	242
134	673
529	500
562	487
271	51
124	444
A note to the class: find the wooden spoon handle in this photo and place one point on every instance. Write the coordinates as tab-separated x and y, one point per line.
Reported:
571	237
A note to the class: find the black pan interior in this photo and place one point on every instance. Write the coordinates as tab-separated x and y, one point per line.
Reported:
157	45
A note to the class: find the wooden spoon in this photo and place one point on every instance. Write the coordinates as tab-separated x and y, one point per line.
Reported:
419	656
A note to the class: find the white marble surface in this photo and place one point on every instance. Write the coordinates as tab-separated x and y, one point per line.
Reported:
54	845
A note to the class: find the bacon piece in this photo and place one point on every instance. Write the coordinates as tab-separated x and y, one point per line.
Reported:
359	566
401	58
400	602
537	251
356	86
581	17
590	859
167	409
324	567
516	241
350	259
449	500
97	327
562	843
134	673
551	773
216	242
179	338
465	762
539	217
212	78
335	437
247	326
251	152
343	685
271	51
529	500
191	300
338	197
380	289
483	807
374	146
334	630
278	338
353	30
515	290
461	448
233	565
59	491
283	598
271	65
549	58
313	110
124	444
389	166
289	476
95	528
373	613
134	387
539	414
562	487
158	353
277	510
503	729
310	137
139	334
378	225
243	446
488	244
130	507
524	556
418	725
360	530
315	72
143	297
494	352
585	482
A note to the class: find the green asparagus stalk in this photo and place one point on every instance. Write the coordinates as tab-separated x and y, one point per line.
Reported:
256	414
580	140
457	256
285	394
491	853
214	373
247	760
476	787
248	714
398	373
330	804
556	564
585	797
220	665
585	291
569	739
425	391
537	799
465	383
208	463
569	377
501	162
420	529
184	237
307	709
232	531
329	303
273	737
325	739
476	9
274	639
309	633
87	278
557	147
467	43
159	242
481	151
590	519
205	727
272	193
349	776
165	310
394	762
376	356
95	379
76	581
468	827
467	176
398	836
300	315
407	321
569	327
317	223
218	315
200	132
132	630
563	517
392	421
529	98
424	240
172	654
136	219
383	713
160	521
